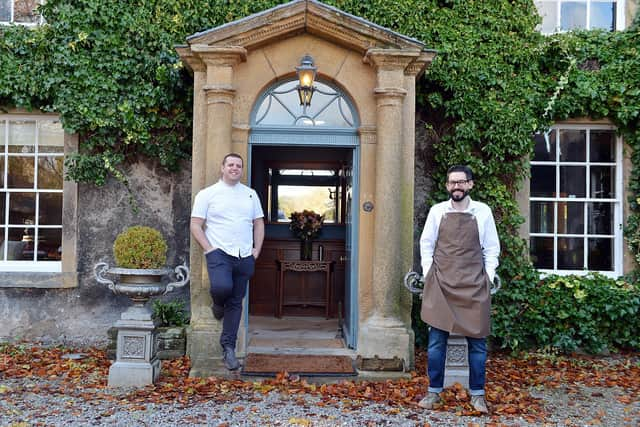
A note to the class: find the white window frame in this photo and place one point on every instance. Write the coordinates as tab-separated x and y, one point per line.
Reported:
620	14
26	266
618	237
26	24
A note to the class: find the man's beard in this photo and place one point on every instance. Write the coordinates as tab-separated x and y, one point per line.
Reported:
457	197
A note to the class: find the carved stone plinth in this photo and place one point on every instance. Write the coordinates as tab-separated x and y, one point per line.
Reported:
136	362
456	369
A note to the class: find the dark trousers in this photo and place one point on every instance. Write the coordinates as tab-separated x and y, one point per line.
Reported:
228	276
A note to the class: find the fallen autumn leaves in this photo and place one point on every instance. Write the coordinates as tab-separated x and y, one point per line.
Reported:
510	382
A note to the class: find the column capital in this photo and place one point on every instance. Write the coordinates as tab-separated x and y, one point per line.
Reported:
420	64
229	56
390	59
193	62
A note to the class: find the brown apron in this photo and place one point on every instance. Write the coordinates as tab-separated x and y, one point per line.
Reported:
456	296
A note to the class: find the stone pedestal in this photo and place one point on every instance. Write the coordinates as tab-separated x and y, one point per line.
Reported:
386	338
456	368
136	361
205	352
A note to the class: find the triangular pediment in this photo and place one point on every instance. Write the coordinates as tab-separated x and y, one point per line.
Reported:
304	16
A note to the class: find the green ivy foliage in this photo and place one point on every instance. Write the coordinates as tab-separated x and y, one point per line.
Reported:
591	313
110	70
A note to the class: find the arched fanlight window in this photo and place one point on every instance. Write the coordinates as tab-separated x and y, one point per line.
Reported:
280	106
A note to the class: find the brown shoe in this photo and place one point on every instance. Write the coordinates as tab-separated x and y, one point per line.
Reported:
429	400
479	404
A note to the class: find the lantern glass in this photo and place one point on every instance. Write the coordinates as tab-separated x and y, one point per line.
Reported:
306	75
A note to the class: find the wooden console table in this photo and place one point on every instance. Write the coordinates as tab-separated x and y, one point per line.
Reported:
305	267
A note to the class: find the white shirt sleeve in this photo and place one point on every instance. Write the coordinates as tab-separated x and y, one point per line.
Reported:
490	246
199	206
257	207
428	241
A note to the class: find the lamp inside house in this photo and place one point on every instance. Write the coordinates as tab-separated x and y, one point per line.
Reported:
306	75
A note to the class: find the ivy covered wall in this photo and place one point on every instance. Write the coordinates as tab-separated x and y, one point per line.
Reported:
110	70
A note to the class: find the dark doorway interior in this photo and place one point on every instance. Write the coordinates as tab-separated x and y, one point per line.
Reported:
291	179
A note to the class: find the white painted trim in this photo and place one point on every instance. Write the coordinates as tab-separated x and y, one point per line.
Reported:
620	20
617	232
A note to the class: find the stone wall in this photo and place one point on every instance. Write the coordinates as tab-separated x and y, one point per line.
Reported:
82	315
424	163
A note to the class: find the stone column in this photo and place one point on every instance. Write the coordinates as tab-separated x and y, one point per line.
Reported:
387	331
407	197
212	126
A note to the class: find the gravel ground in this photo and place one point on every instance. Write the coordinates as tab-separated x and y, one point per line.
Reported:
36	401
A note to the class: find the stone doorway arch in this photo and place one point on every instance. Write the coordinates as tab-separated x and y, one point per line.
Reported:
234	63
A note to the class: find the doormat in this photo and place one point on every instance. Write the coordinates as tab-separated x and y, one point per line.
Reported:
301	364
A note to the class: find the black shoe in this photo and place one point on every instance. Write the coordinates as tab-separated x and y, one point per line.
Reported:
229	357
218	311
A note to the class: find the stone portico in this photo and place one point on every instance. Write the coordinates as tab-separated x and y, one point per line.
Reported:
233	64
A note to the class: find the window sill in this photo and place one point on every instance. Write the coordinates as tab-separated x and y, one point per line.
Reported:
544	273
46	280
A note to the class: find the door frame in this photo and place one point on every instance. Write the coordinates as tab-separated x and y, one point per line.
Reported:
352	143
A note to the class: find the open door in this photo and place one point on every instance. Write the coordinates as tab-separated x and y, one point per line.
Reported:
350	321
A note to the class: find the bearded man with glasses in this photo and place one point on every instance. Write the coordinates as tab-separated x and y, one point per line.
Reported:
459	251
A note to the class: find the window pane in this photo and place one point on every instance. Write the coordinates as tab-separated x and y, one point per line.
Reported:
601	254
572	181
541	217
2	162
50	209
22	208
20	244
548	11
600	217
571	218
294	198
22	136
543	181
50	172
545	147
24	11
570	253
5	10
277	114
573	145
51	137
21	172
573	15
282	107
331	116
602	146
3	199
541	252
602	182
49	244
603	15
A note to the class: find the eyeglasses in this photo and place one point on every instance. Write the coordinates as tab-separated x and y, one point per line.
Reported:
458	182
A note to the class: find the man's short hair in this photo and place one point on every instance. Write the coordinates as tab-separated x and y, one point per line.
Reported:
224	160
461	168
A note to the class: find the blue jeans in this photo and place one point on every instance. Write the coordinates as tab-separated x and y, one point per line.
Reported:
437	353
228	276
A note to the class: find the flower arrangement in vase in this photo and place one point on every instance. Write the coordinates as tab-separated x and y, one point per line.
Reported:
306	226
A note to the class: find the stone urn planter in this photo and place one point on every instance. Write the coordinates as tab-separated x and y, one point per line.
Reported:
136	362
140	253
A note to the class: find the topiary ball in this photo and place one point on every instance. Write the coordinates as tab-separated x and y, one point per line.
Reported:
140	247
